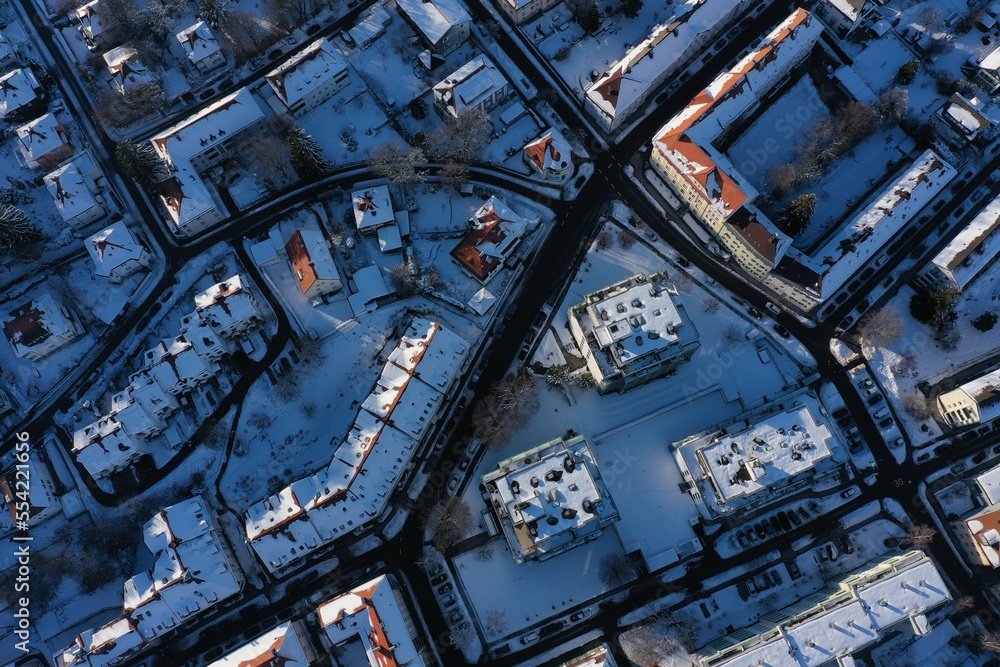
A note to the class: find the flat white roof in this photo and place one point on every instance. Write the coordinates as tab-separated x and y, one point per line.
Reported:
772	450
773	653
961	256
634	322
839	631
896	597
989	482
370	284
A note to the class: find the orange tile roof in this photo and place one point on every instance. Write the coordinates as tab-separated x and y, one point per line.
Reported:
298	255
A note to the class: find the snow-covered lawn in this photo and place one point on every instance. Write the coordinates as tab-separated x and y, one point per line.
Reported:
528	593
349	125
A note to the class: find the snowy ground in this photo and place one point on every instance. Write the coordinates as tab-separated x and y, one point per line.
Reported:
533	591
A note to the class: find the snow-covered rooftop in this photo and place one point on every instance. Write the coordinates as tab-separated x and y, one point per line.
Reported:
974	247
102	647
984	528
112	247
895	597
198	41
989	482
372	614
284	646
103	446
191	571
226	304
127	71
370	285
496	231
550	152
434	18
864	236
629	79
34	322
306	71
17	89
372	207
310	258
549	497
42	136
469	85
91	18
841	630
765	453
72	197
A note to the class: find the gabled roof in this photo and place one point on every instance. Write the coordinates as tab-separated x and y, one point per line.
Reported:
310	258
17	89
372	207
70	193
549	152
280	647
127	71
434	18
42	136
112	247
495	234
307	70
198	41
466	87
34	322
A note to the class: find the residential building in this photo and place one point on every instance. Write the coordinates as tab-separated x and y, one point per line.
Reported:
972	402
987	486
310	77
521	11
371	26
443	25
619	93
550	499
128	74
853	612
8	56
476	85
40	326
844	16
978	535
496	233
116	253
71	193
228	308
37	487
962	120
366	465
759	457
104	448
550	156
201	47
597	657
106	646
370	624
721	200
372	208
968	254
92	26
313	265
632	332
192	147
287	645
175	365
192	570
19	90
44	142
985	71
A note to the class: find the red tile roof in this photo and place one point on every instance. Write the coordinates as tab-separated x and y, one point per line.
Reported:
302	267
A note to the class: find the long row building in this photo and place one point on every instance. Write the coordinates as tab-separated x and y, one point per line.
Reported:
367	464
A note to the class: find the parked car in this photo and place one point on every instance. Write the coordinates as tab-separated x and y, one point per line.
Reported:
529	638
866	382
436	569
448	600
756	314
850	493
979	458
782	331
444	589
455	616
794	518
793	570
840	413
898	442
751	587
440	579
886	423
876	399
775	577
579	616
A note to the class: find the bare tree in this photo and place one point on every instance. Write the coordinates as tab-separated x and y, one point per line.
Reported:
732	334
288	14
615	570
650	644
604	240
918	406
247	34
508	405
486	552
919	536
403	280
893	105
882	327
266	155
464	138
966	603
455	173
15	228
990	641
397	162
450	521
626	239
710	305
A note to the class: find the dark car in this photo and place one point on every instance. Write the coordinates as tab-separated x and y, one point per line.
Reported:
444	589
877	398
886	423
785	523
440	579
759	530
840	413
683	262
782	331
756	314
795	518
776	524
793	570
979	458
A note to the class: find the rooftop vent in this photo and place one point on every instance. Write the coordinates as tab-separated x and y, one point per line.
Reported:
551	520
515	487
569	464
553	475
569	513
534	482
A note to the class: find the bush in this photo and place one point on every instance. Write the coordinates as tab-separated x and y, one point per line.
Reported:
986	321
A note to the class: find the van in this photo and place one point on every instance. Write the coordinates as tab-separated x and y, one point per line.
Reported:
884	412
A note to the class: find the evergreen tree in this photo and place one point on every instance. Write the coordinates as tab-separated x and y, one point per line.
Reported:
140	162
307	155
15	228
934	306
592	20
213	12
630	8
907	74
797	214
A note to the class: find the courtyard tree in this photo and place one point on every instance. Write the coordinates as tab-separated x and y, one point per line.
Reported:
893	105
449	522
505	407
495	621
213	12
615	569
464	138
934	306
882	327
247	34
630	8
986	321
920	536
15	228
710	305
418	108
140	162
796	214
592	18
918	406
557	376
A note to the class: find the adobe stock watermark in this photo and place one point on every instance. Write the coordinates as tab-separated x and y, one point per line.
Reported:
22	517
